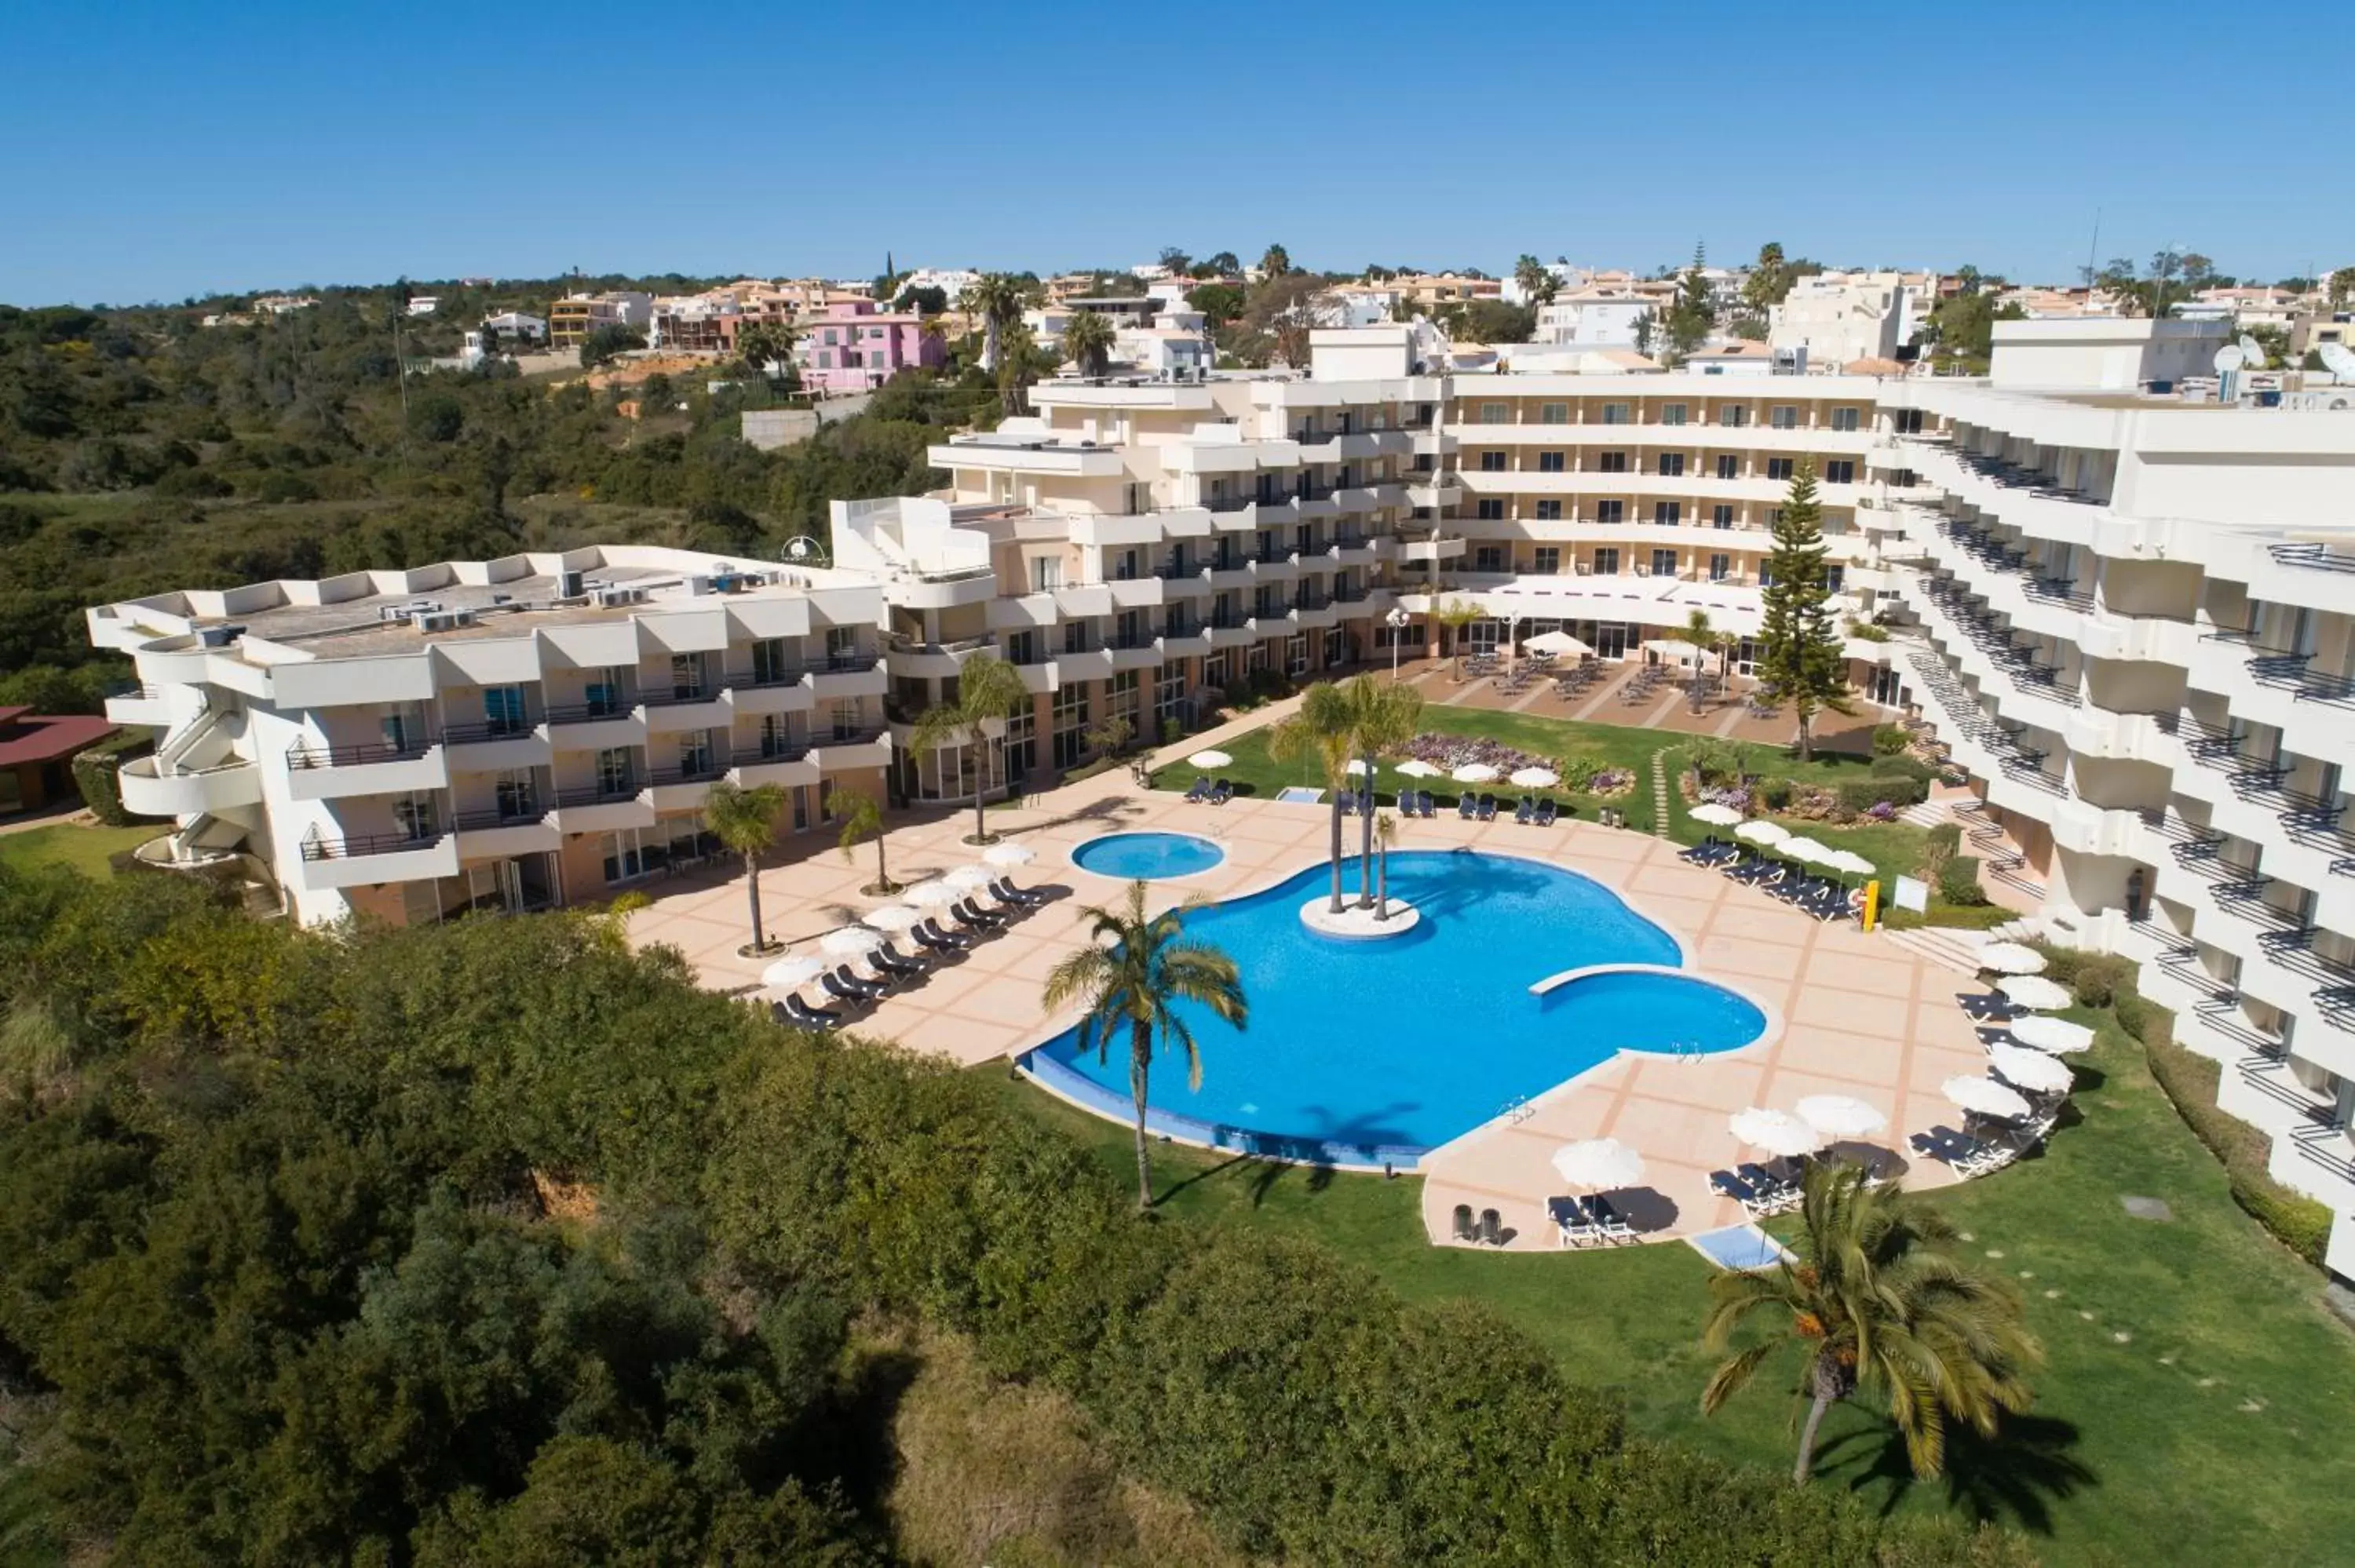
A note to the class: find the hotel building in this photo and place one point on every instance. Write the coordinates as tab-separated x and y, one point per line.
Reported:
503	735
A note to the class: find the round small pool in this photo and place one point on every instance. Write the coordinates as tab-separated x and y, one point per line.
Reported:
1149	857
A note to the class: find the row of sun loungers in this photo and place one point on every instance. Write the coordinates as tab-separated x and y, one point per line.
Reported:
1589	1222
1531	810
851	990
1972	1155
1760	1190
1209	792
1822	898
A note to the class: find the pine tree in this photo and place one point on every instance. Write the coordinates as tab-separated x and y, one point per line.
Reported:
1801	659
1692	314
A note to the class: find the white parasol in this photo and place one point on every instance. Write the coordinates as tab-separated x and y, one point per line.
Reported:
1474	773
1533	778
1356	765
895	918
1777	1132
1209	759
2056	1035
2035	994
1008	854
969	878
933	895
1986	1097
1598	1163
1805	850
1668	648
1560	643
1842	1115
1711	814
850	941
2010	959
791	972
2031	1070
1416	767
1851	863
1762	832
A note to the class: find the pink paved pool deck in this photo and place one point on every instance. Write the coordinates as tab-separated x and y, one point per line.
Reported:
1852	1013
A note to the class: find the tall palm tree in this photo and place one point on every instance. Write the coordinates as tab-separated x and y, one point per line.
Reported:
1323	726
1455	615
1087	342
860	817
1383	717
766	344
1132	972
996	299
1877	1306
1276	261
745	820
1702	638
987	688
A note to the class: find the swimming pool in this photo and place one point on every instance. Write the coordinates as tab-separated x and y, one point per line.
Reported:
1151	856
1370	1051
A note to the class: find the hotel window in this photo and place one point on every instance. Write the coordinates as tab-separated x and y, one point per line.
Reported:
1721	516
1720	567
830	336
1834	575
1616	414
1840	471
1672	465
1488	559
605	692
1672	413
415	815
1549	511
777	737
1733	416
1296	655
1551	462
1664	563
1778	469
1773	517
515	796
1546	560
1668	513
613	771
1553	413
503	710
1045	573
1169	696
1785	416
1611	462
771	666
1909	421
1728	466
1496	413
1610	512
1490	511
825	359
1492	462
1845	418
1606	562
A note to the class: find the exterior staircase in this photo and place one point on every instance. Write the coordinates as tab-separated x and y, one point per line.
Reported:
1948	947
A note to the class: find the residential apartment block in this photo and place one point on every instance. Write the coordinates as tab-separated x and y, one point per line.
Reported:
572	318
857	345
490	734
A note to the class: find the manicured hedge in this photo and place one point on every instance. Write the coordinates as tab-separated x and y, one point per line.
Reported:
95	768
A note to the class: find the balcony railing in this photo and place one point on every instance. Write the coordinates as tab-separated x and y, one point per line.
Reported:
602	794
689	773
2312	557
787	675
1237	503
522	815
588	713
484	730
302	759
852	736
851	663
679	697
353	845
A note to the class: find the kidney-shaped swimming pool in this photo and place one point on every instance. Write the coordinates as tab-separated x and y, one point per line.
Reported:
1364	1052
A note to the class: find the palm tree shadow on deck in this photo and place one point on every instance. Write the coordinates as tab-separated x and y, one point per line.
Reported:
2013	1478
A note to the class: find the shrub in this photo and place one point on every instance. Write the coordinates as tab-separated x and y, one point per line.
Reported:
1776	793
1172	731
1862	794
95	774
1903	765
1891	740
1958	882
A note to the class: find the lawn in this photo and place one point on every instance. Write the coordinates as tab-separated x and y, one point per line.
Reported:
2194	1386
85	848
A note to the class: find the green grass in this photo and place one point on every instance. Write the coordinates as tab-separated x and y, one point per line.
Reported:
2208	1432
70	843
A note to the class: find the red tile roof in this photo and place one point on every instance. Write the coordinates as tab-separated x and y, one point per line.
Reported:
26	737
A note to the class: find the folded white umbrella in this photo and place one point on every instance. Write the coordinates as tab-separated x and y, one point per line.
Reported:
933	895
2036	994
2056	1035
895	918
1595	1163
1712	814
1533	778
1209	759
1851	863
2010	959
1474	773
850	941
969	878
1762	832
1842	1115
2031	1070
1556	642
1416	767
1986	1097
1806	851
791	971
1009	855
1777	1132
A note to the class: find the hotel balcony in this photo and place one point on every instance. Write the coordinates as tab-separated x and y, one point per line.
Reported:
369	860
849	675
374	768
787	763
784	691
494	835
183	792
140	705
592	726
495	746
681	789
599	808
689	708
836	751
918	660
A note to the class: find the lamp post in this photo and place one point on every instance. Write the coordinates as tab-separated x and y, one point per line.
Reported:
1397	622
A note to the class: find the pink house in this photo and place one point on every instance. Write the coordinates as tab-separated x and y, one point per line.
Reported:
856	346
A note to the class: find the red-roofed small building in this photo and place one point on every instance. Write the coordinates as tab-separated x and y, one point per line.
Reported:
37	754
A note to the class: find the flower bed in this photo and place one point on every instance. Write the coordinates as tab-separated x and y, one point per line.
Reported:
1578	776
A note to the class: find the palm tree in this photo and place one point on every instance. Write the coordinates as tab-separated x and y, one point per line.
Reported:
1877	1305
861	818
765	343
1455	615
1383	717
1087	341
1702	638
987	688
1133	971
746	821
1386	834
1325	725
996	299
1017	370
1276	261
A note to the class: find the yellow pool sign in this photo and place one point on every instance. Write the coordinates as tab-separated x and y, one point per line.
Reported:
1871	904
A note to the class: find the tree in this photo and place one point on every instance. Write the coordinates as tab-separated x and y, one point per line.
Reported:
1274	262
1131	974
1645	328
1323	726
1223	263
1493	321
987	689
1750	328
996	299
1383	716
1692	314
2342	287
1801	660
1770	280
1456	614
1087	342
745	820
1176	262
1386	830
860	817
929	301
1877	1307
767	350
1704	639
1219	303
607	343
1537	284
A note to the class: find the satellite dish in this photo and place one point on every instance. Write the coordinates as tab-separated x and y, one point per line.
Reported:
2251	353
2340	360
2228	360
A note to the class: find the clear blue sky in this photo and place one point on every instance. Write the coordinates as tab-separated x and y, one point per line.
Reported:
154	151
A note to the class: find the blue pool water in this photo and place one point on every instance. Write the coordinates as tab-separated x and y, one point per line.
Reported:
1149	855
1392	1046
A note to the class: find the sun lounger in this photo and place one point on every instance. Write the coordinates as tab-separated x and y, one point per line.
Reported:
1726	1184
1005	892
973	914
1487	807
855	992
1199	793
930	935
1347	801
1467	807
796	1011
1524	810
1547	811
1223	793
891	961
1608	1220
1774	1193
1492	1228
1570	1224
